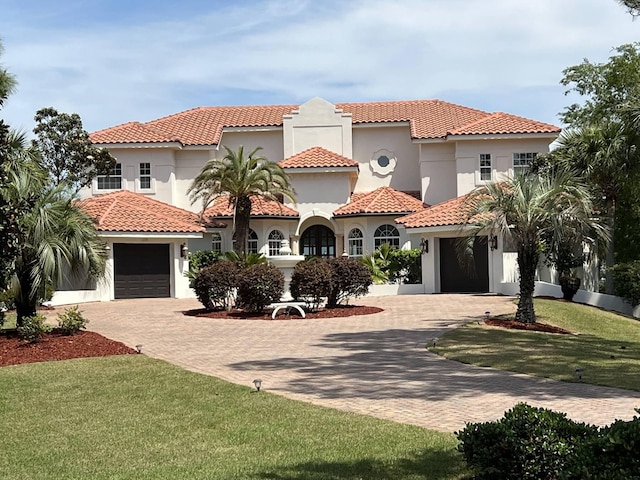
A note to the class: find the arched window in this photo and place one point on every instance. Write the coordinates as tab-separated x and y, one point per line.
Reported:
275	242
216	242
386	234
356	243
318	241
252	246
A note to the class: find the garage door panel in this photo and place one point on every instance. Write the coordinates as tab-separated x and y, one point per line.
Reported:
454	278
142	270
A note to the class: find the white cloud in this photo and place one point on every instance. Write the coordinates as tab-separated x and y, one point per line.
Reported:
111	72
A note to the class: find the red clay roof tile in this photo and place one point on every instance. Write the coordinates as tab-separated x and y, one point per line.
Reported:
125	211
260	207
383	200
428	119
317	157
449	213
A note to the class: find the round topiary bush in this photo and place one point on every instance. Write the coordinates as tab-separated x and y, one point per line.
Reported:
349	278
311	282
214	285
258	286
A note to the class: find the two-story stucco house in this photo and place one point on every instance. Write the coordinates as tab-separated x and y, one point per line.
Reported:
364	174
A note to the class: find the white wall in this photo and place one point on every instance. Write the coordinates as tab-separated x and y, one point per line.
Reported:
467	157
397	140
437	172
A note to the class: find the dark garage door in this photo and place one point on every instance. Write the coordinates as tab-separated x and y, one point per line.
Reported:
141	270
455	278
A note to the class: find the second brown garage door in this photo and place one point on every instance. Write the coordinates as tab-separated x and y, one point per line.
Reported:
142	270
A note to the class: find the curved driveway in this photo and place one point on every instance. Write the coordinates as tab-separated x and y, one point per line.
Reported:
375	365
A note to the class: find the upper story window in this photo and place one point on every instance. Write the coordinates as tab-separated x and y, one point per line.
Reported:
145	176
216	242
485	167
521	162
356	243
112	181
275	242
252	246
386	234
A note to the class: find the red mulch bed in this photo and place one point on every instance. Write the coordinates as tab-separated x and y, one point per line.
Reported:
292	314
534	327
55	346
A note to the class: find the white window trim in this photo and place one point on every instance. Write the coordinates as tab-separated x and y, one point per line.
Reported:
123	183
361	239
138	185
479	179
515	168
384	239
269	240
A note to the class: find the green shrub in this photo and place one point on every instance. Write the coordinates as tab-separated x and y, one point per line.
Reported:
214	285
527	443
406	266
626	281
33	328
71	321
258	286
610	455
199	260
311	282
8	299
349	278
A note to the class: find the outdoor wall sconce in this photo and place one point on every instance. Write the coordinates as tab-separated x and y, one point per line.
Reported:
424	245
493	242
184	250
258	383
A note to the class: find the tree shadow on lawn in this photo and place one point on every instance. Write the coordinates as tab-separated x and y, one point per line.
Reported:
429	464
392	364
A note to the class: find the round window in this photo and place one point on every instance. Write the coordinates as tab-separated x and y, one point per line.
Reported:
383	162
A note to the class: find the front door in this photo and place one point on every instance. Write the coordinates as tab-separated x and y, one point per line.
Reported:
318	241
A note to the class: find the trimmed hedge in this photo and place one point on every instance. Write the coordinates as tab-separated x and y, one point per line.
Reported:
214	285
626	281
259	286
311	282
349	278
540	444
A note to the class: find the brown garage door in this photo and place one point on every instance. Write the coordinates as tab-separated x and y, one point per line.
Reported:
455	278
141	270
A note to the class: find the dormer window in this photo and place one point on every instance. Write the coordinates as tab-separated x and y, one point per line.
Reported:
112	181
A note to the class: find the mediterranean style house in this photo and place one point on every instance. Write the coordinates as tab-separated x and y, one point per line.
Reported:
363	173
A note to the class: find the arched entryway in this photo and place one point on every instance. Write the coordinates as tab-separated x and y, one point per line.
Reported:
318	241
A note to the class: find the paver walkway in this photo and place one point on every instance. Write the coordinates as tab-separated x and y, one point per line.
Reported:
375	365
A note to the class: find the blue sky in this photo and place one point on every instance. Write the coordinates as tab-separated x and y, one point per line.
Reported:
116	61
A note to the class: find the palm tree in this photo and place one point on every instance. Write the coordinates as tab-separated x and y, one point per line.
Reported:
527	209
56	238
240	177
605	154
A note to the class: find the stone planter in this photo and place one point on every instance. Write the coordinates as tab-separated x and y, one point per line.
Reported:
569	286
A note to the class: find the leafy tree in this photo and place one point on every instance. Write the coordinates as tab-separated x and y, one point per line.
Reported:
241	177
527	209
632	6
55	236
66	150
9	211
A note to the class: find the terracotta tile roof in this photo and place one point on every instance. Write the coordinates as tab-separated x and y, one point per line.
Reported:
504	123
427	119
449	213
317	157
260	207
125	211
383	200
132	132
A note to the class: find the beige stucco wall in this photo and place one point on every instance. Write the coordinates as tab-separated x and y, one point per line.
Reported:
467	158
396	139
437	172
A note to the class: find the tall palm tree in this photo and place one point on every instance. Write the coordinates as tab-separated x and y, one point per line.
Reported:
606	154
527	209
56	238
240	177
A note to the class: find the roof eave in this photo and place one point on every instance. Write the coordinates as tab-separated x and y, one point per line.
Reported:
502	136
177	145
354	169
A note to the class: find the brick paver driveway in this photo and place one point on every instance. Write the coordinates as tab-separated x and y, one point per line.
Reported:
375	365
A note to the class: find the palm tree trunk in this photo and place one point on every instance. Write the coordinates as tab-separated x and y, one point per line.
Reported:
527	264
25	305
243	216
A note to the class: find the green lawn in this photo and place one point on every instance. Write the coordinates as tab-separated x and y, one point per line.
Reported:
132	417
605	345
